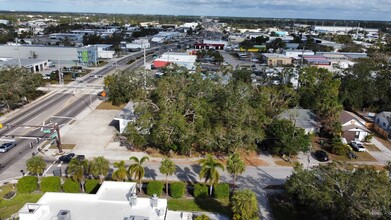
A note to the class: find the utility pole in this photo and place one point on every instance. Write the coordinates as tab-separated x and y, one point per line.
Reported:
17	46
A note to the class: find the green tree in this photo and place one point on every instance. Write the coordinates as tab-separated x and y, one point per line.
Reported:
167	168
338	191
287	138
202	217
235	166
17	83
209	171
36	165
78	168
244	205
100	166
121	174
319	91
136	170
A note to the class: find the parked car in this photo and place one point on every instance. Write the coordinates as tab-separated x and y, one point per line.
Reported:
66	158
321	155
7	146
357	146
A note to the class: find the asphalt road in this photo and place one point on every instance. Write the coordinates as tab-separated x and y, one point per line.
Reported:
60	104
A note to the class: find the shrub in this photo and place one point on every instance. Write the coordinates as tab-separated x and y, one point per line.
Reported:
27	184
368	137
51	184
177	189
91	186
221	191
71	186
339	149
155	187
200	190
202	217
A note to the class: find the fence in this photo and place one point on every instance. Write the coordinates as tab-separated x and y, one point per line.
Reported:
381	131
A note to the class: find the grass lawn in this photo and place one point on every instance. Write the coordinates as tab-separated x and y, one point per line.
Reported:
204	205
64	146
109	106
371	147
361	156
9	207
68	76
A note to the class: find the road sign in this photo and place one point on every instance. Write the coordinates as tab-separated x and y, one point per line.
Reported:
54	135
47	131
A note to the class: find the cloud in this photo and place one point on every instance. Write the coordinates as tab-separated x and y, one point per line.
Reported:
329	9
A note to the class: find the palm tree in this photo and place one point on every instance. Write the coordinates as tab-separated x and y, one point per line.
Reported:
121	173
209	170
78	168
244	204
136	170
167	168
235	166
100	167
36	165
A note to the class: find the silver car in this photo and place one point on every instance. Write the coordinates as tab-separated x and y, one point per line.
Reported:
7	146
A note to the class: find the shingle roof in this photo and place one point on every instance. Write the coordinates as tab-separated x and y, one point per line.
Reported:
303	118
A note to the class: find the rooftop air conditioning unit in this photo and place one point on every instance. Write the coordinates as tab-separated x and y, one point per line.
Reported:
64	215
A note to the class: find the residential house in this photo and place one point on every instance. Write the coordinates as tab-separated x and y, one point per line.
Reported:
383	120
353	127
302	118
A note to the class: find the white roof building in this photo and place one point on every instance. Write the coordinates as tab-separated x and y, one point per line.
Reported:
181	59
114	200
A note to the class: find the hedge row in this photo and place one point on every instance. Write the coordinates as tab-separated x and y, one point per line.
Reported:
155	187
28	184
177	189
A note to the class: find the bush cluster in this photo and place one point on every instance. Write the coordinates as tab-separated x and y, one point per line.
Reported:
71	186
155	187
221	191
91	186
27	184
200	190
177	189
51	184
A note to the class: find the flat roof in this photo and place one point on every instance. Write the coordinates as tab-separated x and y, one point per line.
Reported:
112	201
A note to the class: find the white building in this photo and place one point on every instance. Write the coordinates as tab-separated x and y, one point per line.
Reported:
32	65
353	127
181	59
5	22
297	53
164	36
191	25
125	116
114	200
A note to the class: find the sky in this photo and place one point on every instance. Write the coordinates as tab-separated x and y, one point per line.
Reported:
318	9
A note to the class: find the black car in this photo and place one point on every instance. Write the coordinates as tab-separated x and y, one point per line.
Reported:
321	155
66	158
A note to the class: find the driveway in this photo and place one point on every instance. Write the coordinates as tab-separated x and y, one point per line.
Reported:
384	155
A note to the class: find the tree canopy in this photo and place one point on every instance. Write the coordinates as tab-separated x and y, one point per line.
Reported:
339	192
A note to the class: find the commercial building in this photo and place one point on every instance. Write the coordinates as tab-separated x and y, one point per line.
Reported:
163	36
71	36
181	59
87	56
32	65
64	55
274	59
114	200
211	44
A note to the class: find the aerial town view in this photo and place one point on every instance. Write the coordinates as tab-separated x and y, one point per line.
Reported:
195	110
